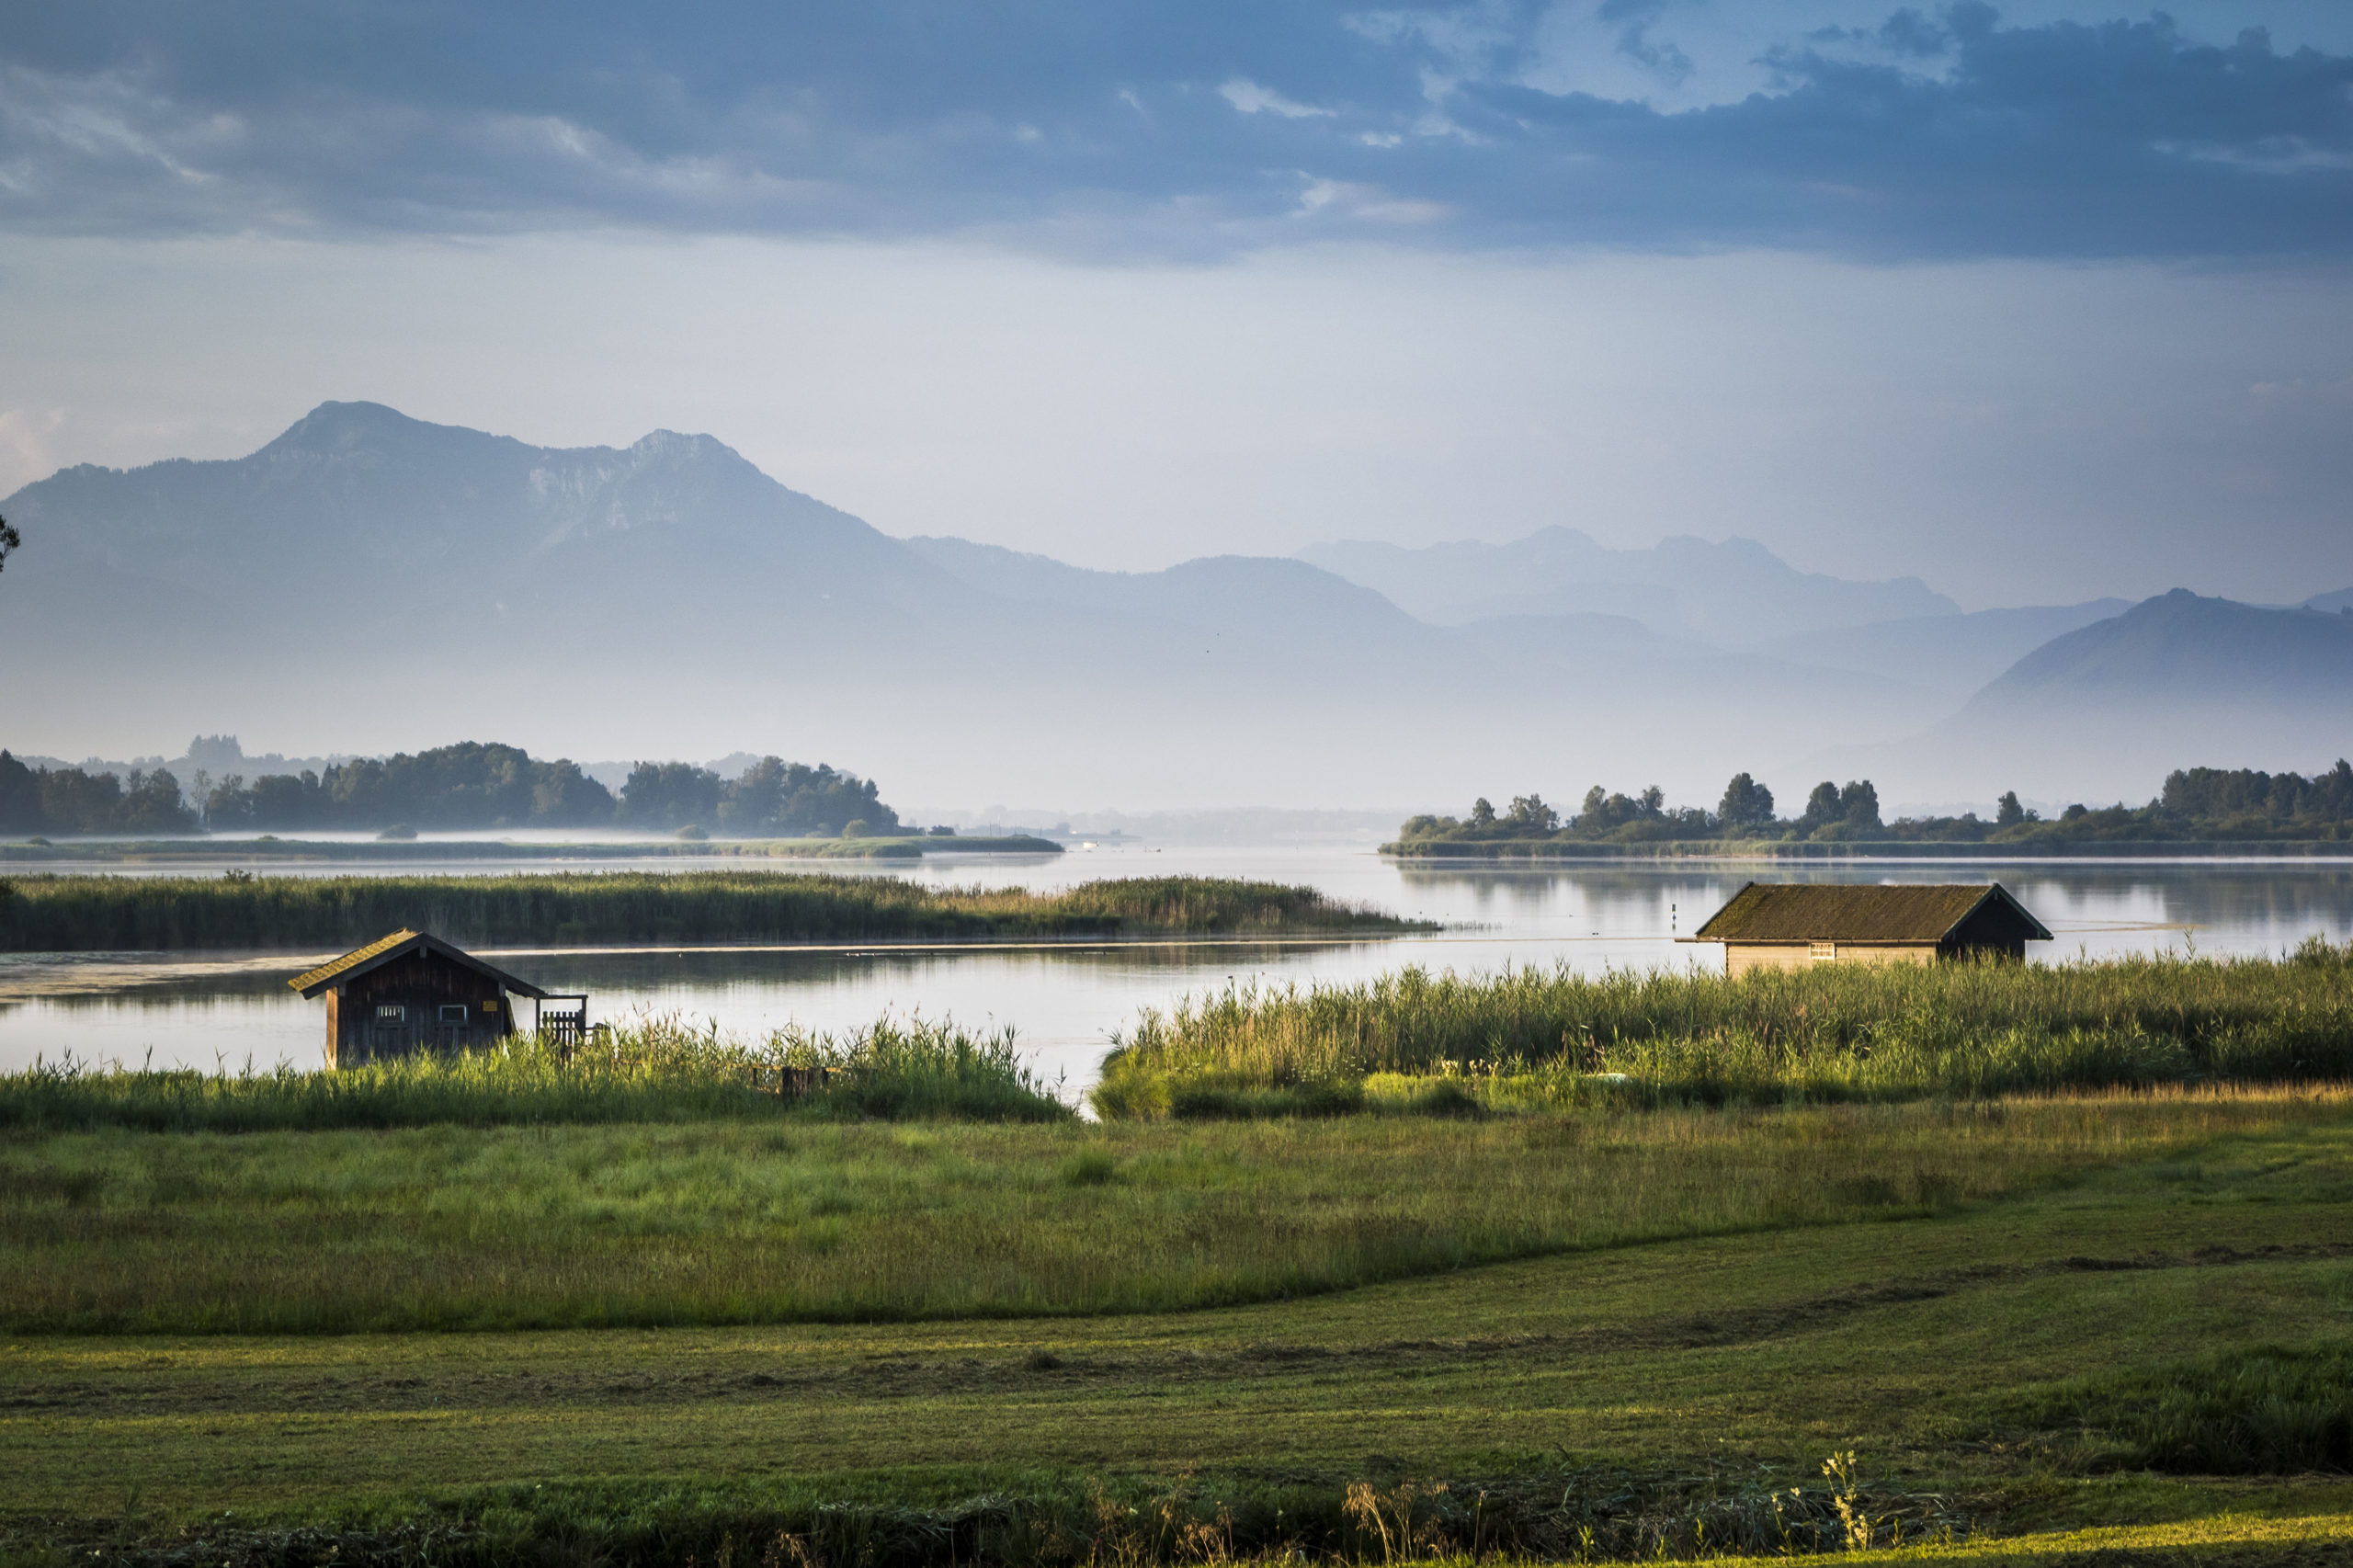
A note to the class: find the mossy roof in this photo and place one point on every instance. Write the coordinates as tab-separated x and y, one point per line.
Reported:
1904	913
399	944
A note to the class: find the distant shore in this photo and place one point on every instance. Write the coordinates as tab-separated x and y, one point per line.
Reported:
894	848
1768	849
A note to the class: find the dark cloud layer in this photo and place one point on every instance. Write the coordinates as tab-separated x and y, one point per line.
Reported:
1152	125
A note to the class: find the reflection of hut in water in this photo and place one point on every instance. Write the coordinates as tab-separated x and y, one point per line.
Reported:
410	991
1793	925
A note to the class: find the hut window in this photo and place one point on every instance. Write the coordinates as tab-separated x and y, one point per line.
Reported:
1825	952
453	1012
390	1012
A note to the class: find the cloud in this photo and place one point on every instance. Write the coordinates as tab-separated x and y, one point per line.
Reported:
1150	126
1634	19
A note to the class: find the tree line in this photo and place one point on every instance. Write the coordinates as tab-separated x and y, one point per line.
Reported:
2196	803
469	786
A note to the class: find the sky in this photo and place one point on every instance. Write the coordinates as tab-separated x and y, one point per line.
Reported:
2038	303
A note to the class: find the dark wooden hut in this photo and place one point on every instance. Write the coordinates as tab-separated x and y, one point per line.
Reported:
1790	925
410	991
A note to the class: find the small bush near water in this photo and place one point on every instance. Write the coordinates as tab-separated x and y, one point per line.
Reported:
88	914
656	1070
1532	1039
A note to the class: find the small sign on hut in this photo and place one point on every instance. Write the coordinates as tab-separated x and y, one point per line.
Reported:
1793	924
411	992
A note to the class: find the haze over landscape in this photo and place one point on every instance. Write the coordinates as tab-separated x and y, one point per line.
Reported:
1175	783
366	575
1507	378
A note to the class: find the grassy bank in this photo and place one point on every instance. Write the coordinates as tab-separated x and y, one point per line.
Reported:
271	847
658	1071
1532	1037
1984	1361
80	914
743	1221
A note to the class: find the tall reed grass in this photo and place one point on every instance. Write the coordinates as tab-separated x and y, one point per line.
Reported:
1531	1036
656	1069
81	914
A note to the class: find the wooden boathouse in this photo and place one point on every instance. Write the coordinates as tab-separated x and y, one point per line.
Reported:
411	992
1793	925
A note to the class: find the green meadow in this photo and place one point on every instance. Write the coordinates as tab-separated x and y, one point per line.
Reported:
2068	1328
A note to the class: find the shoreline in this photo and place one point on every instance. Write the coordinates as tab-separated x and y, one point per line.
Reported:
163	851
2143	851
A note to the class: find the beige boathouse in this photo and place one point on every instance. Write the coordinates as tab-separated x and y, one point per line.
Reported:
1793	925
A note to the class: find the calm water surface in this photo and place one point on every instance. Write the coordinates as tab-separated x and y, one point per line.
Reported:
1066	1003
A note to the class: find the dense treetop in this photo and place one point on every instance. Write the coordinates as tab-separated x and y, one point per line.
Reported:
471	785
2197	804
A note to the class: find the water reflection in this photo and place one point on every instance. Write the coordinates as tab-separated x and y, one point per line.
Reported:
1066	1003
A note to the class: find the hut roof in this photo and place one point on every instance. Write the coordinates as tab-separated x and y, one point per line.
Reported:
399	944
1824	912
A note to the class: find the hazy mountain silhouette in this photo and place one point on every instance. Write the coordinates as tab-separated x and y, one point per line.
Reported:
2103	712
368	580
2180	647
1735	592
1951	654
1265	605
385	519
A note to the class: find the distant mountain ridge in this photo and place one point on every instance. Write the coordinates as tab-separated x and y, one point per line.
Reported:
1735	591
435	510
369	582
2182	647
1954	654
2177	680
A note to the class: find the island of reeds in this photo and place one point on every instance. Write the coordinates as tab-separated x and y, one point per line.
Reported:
1529	1038
239	909
2200	811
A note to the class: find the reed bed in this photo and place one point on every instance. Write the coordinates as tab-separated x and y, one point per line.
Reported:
656	1070
84	914
1534	1037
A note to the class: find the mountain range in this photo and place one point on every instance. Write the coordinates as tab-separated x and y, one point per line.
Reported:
368	580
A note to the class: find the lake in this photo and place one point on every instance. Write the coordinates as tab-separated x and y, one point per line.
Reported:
1066	1003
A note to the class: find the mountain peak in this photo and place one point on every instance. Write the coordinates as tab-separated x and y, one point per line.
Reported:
341	427
672	445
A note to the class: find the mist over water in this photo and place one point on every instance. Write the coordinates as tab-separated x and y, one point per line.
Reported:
1066	1003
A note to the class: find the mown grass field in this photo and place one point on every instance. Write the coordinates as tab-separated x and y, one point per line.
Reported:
455	1227
2002	1311
1533	1039
79	913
